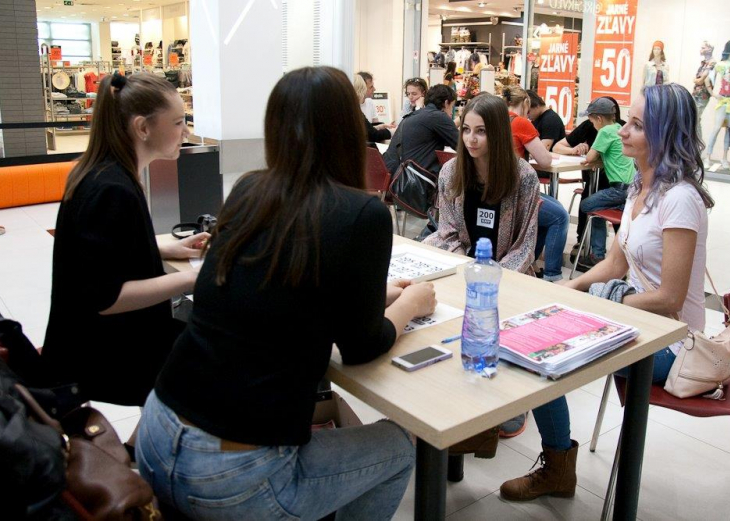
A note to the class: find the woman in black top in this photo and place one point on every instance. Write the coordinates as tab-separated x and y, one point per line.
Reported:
299	261
110	328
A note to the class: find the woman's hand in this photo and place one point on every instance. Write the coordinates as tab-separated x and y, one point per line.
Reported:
187	248
420	103
567	283
421	297
394	289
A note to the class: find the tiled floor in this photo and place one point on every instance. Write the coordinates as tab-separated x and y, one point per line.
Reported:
686	473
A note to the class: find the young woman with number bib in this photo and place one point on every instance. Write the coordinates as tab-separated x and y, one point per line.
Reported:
662	240
298	261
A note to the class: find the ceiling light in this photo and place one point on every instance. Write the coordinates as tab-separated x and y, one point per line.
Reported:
481	4
540	2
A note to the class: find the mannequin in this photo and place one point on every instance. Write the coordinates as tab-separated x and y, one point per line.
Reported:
656	71
702	91
721	92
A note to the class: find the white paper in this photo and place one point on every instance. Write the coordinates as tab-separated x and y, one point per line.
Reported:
196	263
419	264
443	313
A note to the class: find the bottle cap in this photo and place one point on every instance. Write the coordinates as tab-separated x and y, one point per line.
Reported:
484	248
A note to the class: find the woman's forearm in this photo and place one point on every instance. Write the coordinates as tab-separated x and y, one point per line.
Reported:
140	294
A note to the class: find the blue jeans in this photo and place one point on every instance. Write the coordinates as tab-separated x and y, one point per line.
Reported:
608	198
553	418
552	232
362	472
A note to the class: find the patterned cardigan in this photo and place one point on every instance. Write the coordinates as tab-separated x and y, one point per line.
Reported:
517	220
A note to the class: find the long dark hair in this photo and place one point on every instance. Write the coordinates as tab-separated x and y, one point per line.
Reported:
675	146
314	140
118	100
502	169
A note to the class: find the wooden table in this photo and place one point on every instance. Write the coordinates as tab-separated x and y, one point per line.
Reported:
442	404
567	164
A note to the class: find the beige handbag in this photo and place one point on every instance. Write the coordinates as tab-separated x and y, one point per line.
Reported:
703	363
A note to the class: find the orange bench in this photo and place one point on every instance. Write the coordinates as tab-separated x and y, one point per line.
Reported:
33	184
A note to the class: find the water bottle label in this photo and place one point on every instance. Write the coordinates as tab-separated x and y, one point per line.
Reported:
481	297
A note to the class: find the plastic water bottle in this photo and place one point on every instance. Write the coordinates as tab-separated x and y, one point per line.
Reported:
480	330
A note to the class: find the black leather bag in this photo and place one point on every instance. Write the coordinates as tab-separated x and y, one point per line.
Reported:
414	188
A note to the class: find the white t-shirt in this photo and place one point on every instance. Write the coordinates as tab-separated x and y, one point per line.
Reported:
368	108
680	207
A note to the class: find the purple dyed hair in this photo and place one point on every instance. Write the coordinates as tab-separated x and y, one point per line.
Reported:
675	147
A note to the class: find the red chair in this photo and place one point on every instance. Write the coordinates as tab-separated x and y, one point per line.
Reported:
576	192
444	156
698	407
611	216
377	176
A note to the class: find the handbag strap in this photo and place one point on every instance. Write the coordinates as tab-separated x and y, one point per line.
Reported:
718	297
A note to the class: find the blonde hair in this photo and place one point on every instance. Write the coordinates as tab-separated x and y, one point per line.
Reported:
514	96
361	88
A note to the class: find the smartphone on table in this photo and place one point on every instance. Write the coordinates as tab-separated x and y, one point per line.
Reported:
422	358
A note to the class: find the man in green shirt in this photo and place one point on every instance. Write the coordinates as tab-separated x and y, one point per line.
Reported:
619	169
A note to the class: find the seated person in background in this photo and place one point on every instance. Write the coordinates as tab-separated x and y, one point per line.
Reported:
665	233
619	169
227	431
553	219
487	191
375	134
415	89
423	132
547	122
367	106
578	143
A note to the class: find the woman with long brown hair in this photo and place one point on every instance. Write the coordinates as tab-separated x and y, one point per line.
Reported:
299	261
486	191
111	328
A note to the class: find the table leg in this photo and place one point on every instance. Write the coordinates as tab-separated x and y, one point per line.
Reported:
456	468
554	184
431	464
636	415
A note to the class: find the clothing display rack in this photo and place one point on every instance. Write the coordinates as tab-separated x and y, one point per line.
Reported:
70	104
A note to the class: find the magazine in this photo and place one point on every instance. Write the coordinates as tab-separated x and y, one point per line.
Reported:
419	264
555	339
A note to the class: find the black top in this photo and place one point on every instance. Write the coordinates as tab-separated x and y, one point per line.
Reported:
482	219
247	366
420	135
550	126
104	238
375	135
583	133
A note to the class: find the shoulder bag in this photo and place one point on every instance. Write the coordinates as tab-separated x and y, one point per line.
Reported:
702	365
413	187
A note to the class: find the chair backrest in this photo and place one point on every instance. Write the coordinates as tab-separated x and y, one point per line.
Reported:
444	156
377	176
612	216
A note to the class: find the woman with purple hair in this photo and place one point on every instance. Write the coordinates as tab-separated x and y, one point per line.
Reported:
662	245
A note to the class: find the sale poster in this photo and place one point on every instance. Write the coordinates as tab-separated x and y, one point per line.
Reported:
613	50
55	53
382	107
558	70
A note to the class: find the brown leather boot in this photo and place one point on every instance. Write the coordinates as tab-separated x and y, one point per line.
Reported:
556	477
483	445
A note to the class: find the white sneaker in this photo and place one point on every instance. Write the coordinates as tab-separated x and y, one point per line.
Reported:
706	162
725	164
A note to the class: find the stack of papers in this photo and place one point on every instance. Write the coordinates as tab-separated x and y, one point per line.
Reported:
419	264
555	339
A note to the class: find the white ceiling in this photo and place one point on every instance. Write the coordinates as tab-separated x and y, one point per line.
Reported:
95	10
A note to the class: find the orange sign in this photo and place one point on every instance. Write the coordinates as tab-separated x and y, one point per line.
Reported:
55	53
558	70
174	59
613	50
147	59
